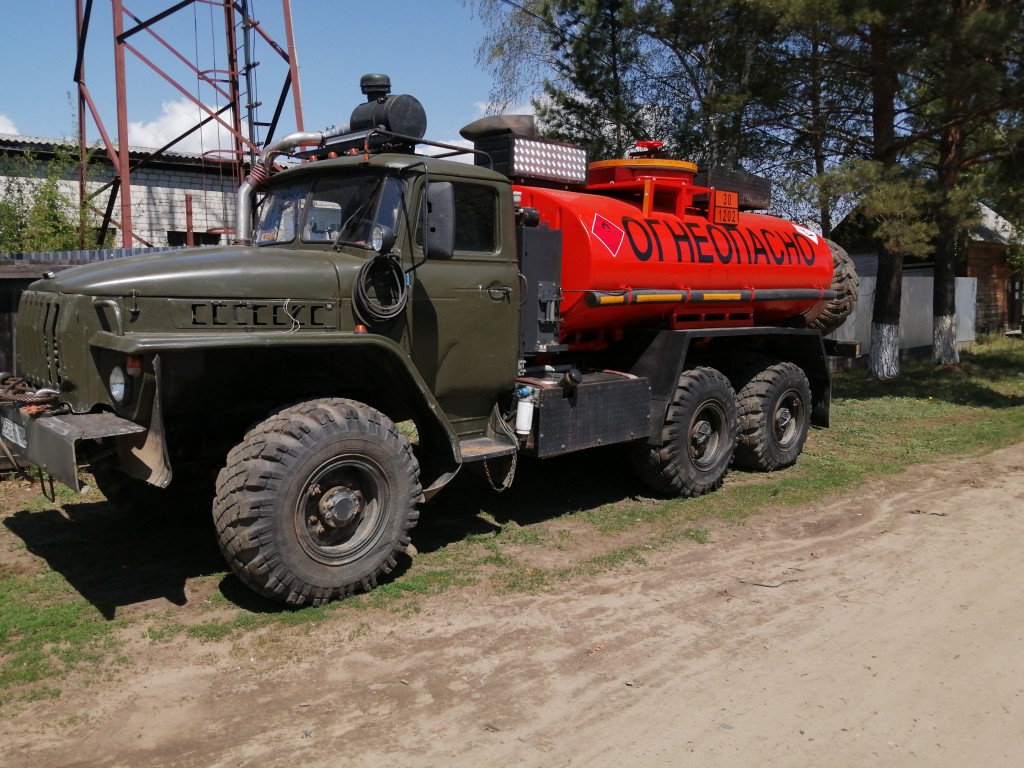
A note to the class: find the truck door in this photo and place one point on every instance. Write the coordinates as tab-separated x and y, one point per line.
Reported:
465	308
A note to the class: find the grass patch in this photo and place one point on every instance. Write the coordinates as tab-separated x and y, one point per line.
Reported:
699	535
46	631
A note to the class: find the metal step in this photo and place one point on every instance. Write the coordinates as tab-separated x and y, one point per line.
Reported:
480	448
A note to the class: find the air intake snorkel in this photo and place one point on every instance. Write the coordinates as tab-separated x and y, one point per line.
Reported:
382	120
261	172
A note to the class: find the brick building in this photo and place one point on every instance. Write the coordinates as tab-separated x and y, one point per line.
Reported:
158	190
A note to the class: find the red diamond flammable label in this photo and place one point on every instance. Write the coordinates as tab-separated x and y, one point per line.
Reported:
608	233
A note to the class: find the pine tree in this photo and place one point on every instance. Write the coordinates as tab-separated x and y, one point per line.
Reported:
966	107
595	98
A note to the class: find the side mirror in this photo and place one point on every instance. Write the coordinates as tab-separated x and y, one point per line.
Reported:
439	238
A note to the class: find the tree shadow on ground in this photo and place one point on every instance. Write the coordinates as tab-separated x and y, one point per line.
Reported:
920	379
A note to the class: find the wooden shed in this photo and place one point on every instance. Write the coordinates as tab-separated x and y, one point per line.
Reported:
985	258
999	283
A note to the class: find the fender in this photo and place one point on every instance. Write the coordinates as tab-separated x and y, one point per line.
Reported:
440	457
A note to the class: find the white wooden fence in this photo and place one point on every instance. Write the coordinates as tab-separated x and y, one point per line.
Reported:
915	313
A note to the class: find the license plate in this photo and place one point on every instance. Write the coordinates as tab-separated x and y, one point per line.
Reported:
15	433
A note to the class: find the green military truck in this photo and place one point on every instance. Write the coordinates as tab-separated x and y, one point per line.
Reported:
524	303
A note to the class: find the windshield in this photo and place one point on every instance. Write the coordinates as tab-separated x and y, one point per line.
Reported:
339	210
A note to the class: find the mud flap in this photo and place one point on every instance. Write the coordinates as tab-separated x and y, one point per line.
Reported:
144	456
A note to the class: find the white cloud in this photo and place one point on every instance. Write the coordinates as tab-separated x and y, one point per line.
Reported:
467	157
177	117
7	125
484	108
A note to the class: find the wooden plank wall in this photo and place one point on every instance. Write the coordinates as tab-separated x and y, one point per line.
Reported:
988	264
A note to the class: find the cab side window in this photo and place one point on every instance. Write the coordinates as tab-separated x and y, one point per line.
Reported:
475	218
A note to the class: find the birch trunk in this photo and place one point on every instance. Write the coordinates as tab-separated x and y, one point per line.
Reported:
884	362
944	349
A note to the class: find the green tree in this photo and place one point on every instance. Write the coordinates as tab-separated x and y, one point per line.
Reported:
596	95
821	119
884	44
694	74
36	213
966	109
1002	189
717	72
898	106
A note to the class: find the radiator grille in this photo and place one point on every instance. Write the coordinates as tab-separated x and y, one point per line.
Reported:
39	354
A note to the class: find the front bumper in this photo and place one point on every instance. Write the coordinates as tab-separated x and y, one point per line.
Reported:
51	442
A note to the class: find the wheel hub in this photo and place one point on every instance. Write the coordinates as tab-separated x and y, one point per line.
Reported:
339	507
701	435
783	418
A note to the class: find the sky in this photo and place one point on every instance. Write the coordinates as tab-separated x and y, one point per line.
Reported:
427	47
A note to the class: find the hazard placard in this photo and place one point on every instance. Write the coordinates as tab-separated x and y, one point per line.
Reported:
726	207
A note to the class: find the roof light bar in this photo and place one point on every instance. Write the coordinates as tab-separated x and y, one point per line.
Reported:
551	160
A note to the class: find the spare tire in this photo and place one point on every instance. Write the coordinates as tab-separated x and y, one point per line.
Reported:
828	315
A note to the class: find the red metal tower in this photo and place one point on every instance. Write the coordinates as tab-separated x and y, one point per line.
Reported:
243	35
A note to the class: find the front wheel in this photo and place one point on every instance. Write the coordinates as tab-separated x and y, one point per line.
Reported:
698	437
316	501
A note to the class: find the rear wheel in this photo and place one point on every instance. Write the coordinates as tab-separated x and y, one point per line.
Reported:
698	437
317	501
775	414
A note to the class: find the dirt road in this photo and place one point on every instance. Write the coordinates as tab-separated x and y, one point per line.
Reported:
884	628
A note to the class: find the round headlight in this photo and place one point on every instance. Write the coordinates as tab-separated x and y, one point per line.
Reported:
118	384
382	238
377	238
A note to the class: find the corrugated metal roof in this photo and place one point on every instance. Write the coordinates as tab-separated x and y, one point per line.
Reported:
42	145
992	228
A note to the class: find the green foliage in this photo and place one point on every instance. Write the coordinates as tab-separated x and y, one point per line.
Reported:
595	96
699	535
1002	189
715	67
1015	250
895	107
37	208
695	75
893	204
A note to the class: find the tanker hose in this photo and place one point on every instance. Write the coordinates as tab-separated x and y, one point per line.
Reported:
380	291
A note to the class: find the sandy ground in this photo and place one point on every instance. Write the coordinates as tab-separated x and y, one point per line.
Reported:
883	628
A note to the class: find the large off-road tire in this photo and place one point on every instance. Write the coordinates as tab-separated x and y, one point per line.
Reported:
316	501
133	496
775	414
698	437
829	315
